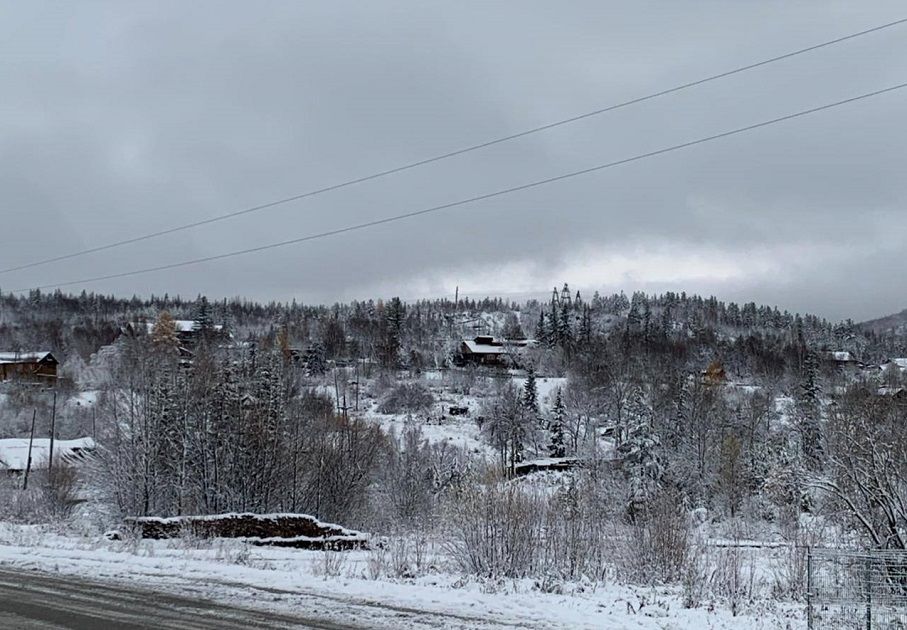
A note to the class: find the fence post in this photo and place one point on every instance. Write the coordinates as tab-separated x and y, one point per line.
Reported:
868	584
809	588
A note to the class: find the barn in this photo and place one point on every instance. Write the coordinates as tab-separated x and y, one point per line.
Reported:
22	364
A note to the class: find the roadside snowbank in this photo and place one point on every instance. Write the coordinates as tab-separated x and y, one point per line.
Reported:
336	586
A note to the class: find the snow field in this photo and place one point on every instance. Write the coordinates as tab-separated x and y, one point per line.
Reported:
339	587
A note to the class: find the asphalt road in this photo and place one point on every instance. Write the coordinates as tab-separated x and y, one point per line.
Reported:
36	601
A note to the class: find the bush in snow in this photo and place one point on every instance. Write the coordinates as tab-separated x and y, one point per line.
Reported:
406	398
498	530
659	541
48	499
505	529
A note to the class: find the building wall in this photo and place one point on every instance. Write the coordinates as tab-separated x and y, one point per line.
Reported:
30	369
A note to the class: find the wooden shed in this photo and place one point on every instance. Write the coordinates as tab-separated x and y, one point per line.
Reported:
23	364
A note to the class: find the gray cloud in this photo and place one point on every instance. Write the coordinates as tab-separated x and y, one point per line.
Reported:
121	118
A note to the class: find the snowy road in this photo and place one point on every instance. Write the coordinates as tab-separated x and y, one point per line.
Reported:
32	601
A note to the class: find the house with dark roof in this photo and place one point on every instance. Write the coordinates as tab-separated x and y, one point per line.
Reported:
843	361
30	365
483	350
841	357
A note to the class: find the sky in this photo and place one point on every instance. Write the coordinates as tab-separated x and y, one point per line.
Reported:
123	118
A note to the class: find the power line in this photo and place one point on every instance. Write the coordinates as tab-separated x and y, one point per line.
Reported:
450	154
463	202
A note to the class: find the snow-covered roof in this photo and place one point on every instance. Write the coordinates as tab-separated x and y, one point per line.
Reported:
32	356
521	343
547	464
841	356
14	451
901	363
550	461
182	325
483	348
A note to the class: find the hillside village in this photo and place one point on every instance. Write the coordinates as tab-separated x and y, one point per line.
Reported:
625	435
468	315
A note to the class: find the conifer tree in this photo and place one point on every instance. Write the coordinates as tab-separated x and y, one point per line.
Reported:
557	446
553	320
541	330
808	408
512	328
646	324
395	314
314	360
226	319
586	325
531	393
564	330
202	321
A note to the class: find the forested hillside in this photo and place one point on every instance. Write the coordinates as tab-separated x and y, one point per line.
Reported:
610	435
752	340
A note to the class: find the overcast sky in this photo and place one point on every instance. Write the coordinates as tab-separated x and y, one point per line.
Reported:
122	118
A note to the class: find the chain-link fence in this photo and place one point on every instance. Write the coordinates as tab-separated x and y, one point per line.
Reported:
856	589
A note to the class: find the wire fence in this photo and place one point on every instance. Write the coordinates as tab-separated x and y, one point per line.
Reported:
856	589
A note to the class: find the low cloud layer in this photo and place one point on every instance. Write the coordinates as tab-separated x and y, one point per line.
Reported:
119	119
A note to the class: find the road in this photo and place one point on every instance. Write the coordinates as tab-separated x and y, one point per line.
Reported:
37	601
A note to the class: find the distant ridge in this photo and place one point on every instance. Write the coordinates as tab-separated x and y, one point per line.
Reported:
896	324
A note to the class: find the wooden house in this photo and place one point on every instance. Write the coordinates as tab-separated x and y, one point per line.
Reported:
483	350
843	361
31	365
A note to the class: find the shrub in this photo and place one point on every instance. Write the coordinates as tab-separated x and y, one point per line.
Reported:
659	541
60	492
498	530
49	498
406	398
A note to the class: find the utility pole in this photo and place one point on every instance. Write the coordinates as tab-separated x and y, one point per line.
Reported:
53	424
336	391
357	383
31	441
295	453
451	320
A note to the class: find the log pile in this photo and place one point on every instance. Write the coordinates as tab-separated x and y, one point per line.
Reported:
300	531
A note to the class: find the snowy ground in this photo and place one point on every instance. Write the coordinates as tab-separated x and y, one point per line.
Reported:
462	430
337	587
87	398
458	432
